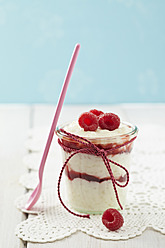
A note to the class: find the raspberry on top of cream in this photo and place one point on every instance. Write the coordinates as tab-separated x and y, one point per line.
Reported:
93	119
75	128
97	124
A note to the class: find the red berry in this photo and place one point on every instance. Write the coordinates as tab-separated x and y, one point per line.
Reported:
112	219
109	121
88	121
96	112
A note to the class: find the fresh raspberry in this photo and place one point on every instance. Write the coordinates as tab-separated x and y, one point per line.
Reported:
96	112
109	121
88	121
112	219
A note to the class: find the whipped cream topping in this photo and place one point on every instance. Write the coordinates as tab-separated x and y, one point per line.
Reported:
74	128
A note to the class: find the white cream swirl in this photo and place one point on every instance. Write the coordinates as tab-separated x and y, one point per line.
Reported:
74	128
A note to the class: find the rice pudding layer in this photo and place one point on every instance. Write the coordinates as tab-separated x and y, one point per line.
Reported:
89	185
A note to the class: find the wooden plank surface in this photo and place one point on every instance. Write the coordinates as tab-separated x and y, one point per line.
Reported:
15	121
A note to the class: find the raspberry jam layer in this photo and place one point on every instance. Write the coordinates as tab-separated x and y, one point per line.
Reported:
111	148
71	174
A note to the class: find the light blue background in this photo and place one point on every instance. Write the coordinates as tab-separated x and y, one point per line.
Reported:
121	57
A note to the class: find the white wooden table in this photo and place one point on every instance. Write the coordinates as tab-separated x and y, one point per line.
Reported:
15	120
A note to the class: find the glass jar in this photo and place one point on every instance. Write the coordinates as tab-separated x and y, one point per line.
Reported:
90	187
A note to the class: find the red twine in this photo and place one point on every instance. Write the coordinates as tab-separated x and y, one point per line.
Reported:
92	149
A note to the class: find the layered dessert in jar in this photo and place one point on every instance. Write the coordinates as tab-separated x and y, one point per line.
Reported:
96	151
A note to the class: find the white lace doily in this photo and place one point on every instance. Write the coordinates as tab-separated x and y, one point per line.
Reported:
145	205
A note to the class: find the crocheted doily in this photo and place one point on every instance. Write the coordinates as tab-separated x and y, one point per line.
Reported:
145	202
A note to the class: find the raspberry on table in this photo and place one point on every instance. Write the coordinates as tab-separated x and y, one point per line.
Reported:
96	112
88	121
109	121
112	219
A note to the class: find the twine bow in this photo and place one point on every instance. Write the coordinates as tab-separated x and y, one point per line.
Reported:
90	148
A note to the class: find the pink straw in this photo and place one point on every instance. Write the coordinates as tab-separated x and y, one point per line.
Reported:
36	193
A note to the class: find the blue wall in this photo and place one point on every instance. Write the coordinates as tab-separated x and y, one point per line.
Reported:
121	57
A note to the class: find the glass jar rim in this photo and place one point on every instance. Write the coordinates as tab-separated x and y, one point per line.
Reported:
134	131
